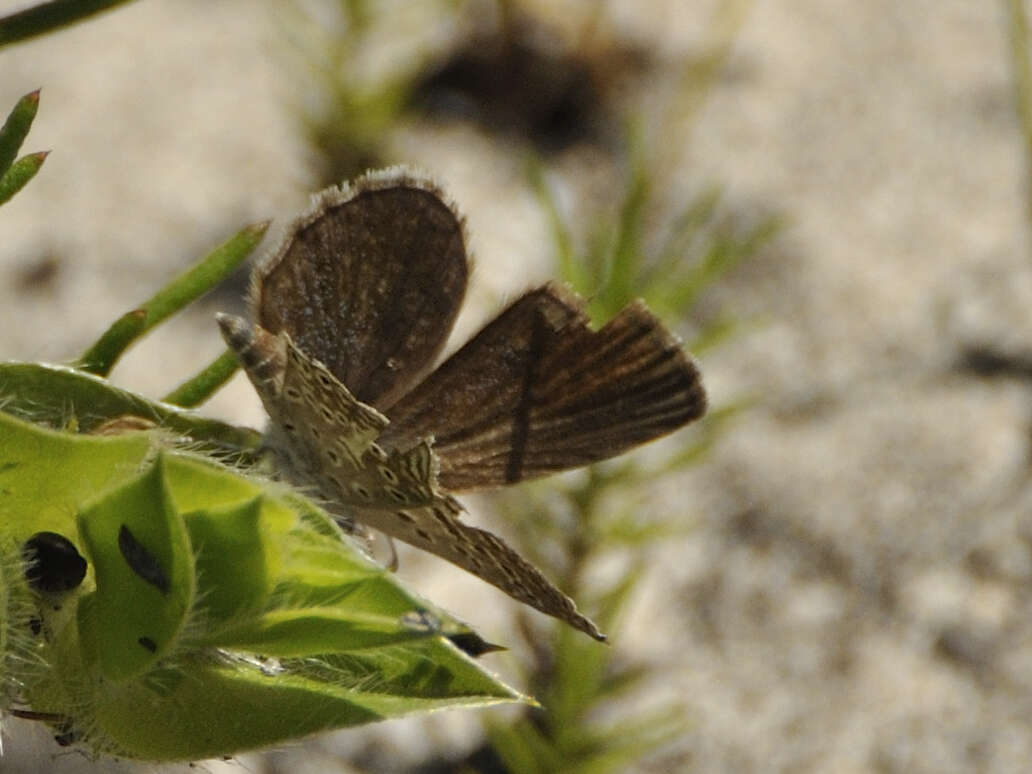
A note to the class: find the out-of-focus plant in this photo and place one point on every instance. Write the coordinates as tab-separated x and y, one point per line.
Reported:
351	100
570	525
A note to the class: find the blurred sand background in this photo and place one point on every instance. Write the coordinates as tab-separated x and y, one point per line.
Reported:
856	595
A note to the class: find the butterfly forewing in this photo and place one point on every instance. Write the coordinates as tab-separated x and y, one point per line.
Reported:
368	282
537	391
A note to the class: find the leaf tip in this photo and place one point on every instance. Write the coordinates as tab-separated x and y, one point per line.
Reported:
258	229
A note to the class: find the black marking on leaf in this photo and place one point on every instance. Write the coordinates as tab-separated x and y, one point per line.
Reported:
141	561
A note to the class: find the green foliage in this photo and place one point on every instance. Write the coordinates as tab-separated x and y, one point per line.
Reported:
623	259
583	518
16	172
20	173
219	613
16	128
60	396
192	284
198	388
348	111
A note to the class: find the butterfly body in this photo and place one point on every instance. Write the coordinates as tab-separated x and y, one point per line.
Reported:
353	310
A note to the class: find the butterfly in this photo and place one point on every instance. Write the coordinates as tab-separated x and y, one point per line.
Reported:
350	315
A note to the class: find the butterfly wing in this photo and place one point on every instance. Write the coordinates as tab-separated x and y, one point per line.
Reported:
368	282
537	391
438	528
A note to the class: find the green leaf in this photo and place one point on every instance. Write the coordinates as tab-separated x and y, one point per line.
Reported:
45	476
16	128
239	588
59	395
20	173
219	613
144	570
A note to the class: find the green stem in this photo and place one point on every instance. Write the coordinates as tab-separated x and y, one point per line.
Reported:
199	388
47	17
102	356
186	288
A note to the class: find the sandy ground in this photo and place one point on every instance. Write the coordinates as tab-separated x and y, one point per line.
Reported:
856	596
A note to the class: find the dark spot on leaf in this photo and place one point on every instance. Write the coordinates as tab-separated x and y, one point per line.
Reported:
141	561
149	644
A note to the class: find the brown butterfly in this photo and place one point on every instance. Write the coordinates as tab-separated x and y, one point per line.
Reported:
351	313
